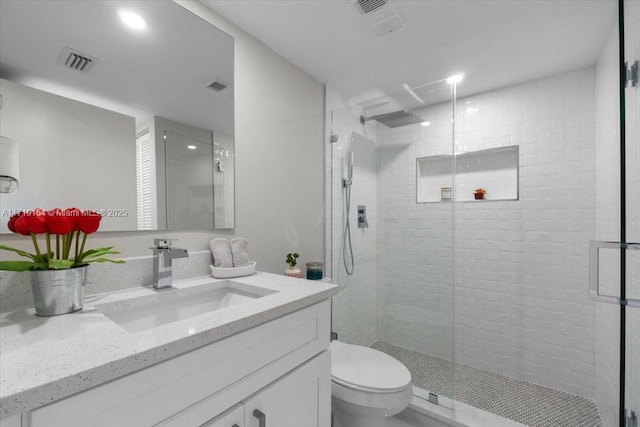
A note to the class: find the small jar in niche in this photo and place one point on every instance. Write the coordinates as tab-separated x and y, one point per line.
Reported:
314	270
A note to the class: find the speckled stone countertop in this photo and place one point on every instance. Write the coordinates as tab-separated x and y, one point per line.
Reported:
43	359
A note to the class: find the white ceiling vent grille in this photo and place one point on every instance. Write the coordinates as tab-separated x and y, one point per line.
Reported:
76	60
367	6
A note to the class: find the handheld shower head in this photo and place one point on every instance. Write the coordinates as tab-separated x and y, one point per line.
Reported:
347	167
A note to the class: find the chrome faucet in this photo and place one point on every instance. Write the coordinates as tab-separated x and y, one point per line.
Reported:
163	253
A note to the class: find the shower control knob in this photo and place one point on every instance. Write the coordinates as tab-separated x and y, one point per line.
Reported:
362	217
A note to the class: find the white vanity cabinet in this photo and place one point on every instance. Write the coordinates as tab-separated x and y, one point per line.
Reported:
280	368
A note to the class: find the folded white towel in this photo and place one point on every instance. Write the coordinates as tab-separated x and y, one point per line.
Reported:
221	252
240	251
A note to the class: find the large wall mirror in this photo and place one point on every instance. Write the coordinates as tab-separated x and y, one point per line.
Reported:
132	120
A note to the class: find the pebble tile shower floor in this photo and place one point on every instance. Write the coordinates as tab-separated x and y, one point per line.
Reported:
521	401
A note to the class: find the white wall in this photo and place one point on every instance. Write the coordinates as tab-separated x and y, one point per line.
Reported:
57	137
279	115
279	121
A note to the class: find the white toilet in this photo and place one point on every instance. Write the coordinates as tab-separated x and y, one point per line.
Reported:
366	386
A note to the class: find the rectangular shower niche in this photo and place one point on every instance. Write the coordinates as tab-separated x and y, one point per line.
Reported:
496	170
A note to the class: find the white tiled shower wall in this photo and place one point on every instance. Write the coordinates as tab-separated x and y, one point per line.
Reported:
521	300
522	306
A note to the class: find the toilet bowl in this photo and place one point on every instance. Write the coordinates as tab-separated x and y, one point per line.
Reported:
366	386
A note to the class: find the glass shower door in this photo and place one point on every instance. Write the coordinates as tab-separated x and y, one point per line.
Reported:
392	177
189	177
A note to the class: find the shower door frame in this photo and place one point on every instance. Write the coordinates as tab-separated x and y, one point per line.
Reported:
628	81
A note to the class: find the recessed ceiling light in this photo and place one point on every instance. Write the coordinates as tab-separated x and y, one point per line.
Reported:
456	78
191	147
425	124
132	20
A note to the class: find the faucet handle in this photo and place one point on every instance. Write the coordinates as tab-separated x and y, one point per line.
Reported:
162	243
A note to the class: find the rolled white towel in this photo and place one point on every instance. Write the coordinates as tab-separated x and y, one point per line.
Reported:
240	251
221	252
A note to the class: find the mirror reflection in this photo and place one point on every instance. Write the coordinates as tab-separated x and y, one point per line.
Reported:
134	122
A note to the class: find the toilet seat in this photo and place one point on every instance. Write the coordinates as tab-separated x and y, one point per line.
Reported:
366	369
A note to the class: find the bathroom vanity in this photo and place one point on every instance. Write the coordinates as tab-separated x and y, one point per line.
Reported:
242	352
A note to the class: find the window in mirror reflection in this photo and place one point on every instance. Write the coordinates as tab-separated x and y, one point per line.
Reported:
145	183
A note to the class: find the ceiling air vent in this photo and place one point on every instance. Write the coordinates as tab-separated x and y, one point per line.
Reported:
367	6
76	60
217	86
381	15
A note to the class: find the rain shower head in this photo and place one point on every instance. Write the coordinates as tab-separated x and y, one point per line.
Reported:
395	119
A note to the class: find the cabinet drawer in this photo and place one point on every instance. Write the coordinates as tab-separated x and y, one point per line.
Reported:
234	364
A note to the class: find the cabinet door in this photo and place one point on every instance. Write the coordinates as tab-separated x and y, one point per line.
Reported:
301	398
234	417
13	421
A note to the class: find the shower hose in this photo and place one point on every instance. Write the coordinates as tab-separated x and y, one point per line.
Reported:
347	259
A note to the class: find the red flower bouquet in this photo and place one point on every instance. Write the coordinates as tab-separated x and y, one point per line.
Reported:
69	226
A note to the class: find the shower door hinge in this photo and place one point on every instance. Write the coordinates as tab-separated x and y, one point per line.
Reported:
632	74
334	138
632	419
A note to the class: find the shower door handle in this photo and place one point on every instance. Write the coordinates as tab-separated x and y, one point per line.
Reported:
594	272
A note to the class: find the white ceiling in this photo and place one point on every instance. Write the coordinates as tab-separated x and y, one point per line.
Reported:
494	43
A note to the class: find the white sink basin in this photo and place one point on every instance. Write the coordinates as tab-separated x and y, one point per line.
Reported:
173	305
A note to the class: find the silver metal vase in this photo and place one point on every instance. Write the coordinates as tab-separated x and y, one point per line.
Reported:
58	291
